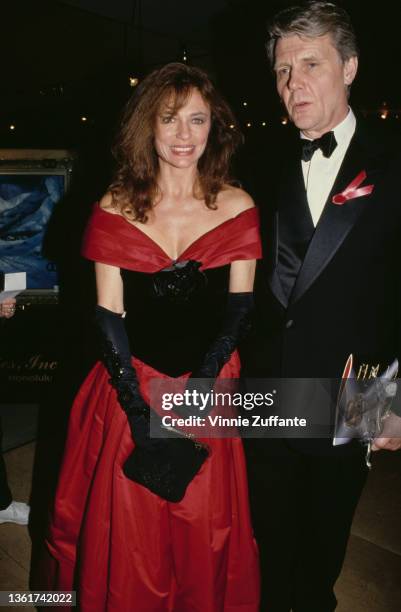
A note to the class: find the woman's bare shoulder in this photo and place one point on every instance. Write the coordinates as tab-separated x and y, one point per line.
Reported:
235	200
106	203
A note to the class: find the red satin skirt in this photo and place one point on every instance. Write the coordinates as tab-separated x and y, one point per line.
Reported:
122	547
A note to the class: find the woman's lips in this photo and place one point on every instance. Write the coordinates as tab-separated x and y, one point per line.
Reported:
183	150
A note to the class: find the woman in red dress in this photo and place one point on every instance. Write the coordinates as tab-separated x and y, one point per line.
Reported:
174	244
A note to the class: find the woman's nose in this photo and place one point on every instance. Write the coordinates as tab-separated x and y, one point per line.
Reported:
183	130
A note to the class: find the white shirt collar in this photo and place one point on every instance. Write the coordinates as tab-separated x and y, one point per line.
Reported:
343	131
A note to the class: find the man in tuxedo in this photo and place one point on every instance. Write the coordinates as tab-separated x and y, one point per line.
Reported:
329	286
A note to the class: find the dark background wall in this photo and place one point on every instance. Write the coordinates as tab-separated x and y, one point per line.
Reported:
66	60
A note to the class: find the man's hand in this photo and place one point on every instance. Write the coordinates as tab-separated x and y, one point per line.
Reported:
7	308
390	437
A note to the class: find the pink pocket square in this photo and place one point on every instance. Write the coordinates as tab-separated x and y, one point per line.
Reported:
353	190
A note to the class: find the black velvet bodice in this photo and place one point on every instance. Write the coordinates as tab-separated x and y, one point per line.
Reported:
172	318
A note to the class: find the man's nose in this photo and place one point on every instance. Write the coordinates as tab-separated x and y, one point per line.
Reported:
294	80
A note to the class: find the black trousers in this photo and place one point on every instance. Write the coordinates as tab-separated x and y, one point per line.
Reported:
302	507
5	493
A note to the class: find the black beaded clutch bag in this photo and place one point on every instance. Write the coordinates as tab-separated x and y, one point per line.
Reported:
168	466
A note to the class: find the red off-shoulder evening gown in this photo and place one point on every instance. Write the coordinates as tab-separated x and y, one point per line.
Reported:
121	547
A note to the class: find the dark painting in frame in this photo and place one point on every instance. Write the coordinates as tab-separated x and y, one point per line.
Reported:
32	183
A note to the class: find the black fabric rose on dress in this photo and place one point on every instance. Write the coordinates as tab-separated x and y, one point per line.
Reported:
180	281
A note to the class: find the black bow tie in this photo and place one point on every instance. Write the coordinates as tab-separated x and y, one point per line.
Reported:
327	143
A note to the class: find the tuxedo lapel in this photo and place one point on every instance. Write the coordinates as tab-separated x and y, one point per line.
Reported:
272	275
337	221
291	199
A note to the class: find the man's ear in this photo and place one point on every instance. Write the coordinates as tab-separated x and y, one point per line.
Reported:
350	69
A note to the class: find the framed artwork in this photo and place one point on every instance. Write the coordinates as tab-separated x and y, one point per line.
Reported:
32	182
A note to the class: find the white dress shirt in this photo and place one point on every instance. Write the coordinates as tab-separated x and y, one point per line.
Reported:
320	172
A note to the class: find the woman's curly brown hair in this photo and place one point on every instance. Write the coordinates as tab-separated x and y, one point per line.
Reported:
134	188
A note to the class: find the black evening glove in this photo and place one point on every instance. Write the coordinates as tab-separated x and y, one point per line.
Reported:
235	327
165	466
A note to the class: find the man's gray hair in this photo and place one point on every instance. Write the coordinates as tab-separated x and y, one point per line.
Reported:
312	19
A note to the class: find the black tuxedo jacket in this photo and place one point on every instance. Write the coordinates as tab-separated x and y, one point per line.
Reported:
341	290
